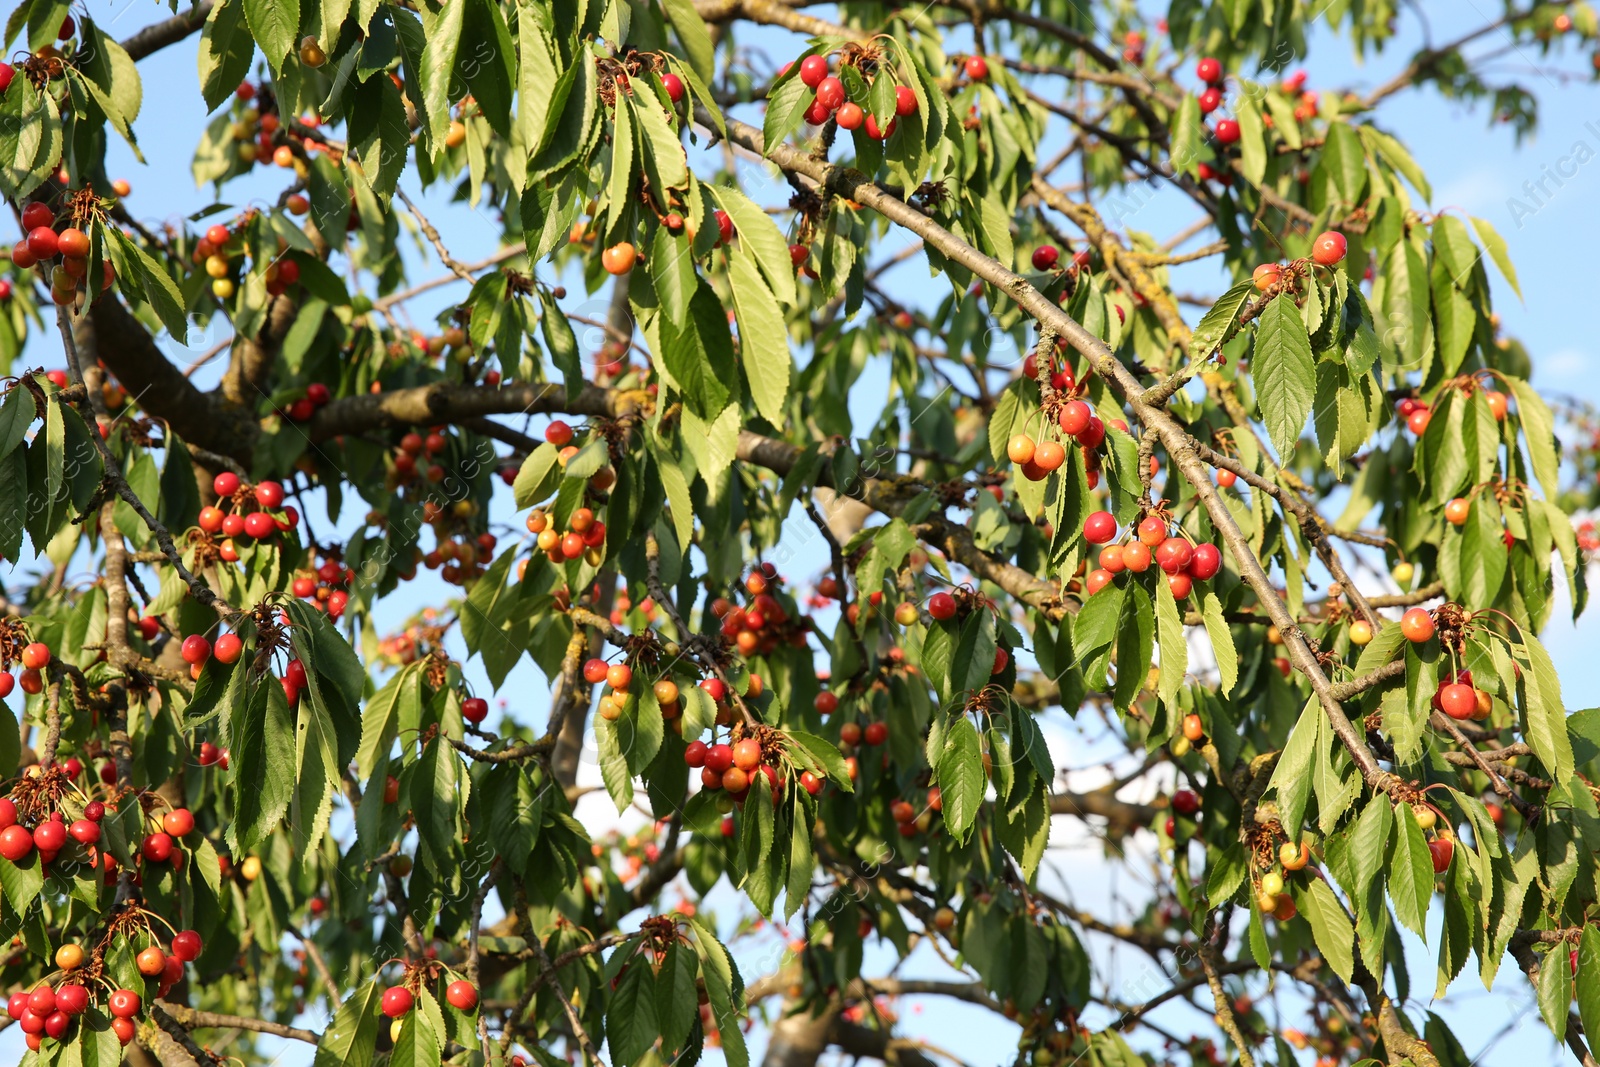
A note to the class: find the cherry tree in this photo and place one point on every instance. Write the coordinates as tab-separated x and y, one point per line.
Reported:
1290	549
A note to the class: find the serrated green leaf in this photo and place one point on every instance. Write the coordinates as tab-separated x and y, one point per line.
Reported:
1284	374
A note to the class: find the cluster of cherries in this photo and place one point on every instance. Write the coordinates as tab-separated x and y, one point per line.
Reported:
1183	561
1442	846
257	133
738	766
763	623
328	587
46	1011
1271	898
36	657
230	517
583	538
50	835
908	821
197	648
1458	698
43	244
831	100
398	1000
416	454
213	253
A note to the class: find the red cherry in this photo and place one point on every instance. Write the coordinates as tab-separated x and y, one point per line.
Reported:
228	648
1045	257
269	495
1099	528
1209	71
826	703
905	101
37	214
674	87
259	525
156	848
43	243
17	1005
1458	701
7	683
810	783
1227	131
1329	248
977	68
695	754
1174	554
475	709
179	822
849	116
196	649
225	484
462	995
558	433
397	1000
942	606
50	836
719	758
72	998
42	1001
85	832
715	688
876	733
830	93
1206	562
94	811
1185	802
812	70
1417	625
124	1004
1441	849
1210	100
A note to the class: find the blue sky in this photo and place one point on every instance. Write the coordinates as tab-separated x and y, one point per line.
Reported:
1472	167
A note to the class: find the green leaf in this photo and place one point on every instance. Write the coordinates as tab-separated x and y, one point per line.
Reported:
1219	323
1330	926
1186	132
561	342
631	1026
763	337
787	101
1221	636
438	70
487	64
159	289
1555	989
379	136
349	1041
759	236
1410	874
677	1002
226	48
261	741
1546	728
1538	429
1252	140
693	35
17	412
273	24
823	755
417	1045
1135	642
1174	647
1291	778
1284	374
21	882
1588	980
538	477
960	777
1345	162
1495	245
